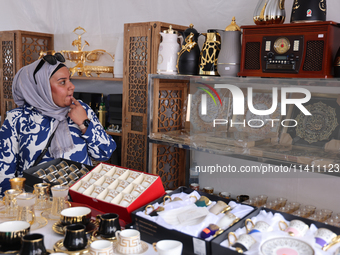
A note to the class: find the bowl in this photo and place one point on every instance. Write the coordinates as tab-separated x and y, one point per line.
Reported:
11	233
74	215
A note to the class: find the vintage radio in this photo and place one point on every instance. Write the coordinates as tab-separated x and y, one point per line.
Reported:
296	50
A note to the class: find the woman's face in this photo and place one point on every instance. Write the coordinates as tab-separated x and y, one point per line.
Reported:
62	87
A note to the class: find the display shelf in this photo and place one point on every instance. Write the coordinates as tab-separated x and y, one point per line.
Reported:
113	133
173	114
96	78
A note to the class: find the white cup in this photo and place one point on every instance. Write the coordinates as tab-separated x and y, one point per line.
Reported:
128	241
227	220
295	228
323	237
168	247
101	247
242	243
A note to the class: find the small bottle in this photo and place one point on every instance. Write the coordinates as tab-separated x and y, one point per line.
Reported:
102	112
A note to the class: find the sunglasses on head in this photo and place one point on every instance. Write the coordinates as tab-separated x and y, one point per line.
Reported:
51	59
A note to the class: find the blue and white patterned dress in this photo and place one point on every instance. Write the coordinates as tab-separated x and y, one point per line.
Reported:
25	133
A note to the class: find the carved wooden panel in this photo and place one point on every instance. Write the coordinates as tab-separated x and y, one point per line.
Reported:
170	110
8	68
31	47
169	162
135	151
18	48
138	60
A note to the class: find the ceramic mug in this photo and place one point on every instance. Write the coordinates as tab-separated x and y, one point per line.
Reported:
209	190
72	215
242	198
168	247
32	244
323	237
227	220
220	207
260	226
242	243
128	241
295	227
101	247
108	224
75	237
11	233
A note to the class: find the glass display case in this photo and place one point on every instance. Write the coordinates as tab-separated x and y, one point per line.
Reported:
289	122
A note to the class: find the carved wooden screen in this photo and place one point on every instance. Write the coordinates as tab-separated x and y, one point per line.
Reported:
141	42
137	53
18	48
169	111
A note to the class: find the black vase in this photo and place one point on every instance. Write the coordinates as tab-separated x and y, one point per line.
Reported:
33	244
308	10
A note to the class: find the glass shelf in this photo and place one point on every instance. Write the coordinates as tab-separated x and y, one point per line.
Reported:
170	98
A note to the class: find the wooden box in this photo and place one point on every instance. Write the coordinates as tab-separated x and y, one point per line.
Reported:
18	48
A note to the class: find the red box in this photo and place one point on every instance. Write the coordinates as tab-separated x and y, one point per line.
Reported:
152	192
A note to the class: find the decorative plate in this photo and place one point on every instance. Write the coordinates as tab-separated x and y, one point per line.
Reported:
215	110
319	126
286	246
47	213
39	222
59	228
145	248
59	247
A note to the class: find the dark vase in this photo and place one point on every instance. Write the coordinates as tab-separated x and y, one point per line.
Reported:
308	10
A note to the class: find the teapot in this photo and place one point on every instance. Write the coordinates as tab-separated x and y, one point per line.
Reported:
189	55
167	53
228	62
270	12
209	54
308	10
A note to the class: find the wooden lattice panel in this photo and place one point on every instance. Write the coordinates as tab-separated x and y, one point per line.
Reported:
7	49
135	151
138	61
169	164
170	110
18	48
31	47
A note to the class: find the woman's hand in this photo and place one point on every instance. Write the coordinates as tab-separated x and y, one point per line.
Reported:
77	113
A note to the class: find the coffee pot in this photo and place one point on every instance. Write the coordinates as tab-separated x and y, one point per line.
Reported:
209	54
228	62
189	55
270	12
308	10
167	53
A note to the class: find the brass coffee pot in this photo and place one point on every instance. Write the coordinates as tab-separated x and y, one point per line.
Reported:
269	12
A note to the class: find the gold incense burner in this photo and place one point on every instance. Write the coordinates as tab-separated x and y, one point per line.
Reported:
81	57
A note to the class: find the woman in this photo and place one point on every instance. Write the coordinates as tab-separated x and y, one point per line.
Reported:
47	109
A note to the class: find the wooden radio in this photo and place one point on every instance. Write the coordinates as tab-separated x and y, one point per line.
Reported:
296	50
